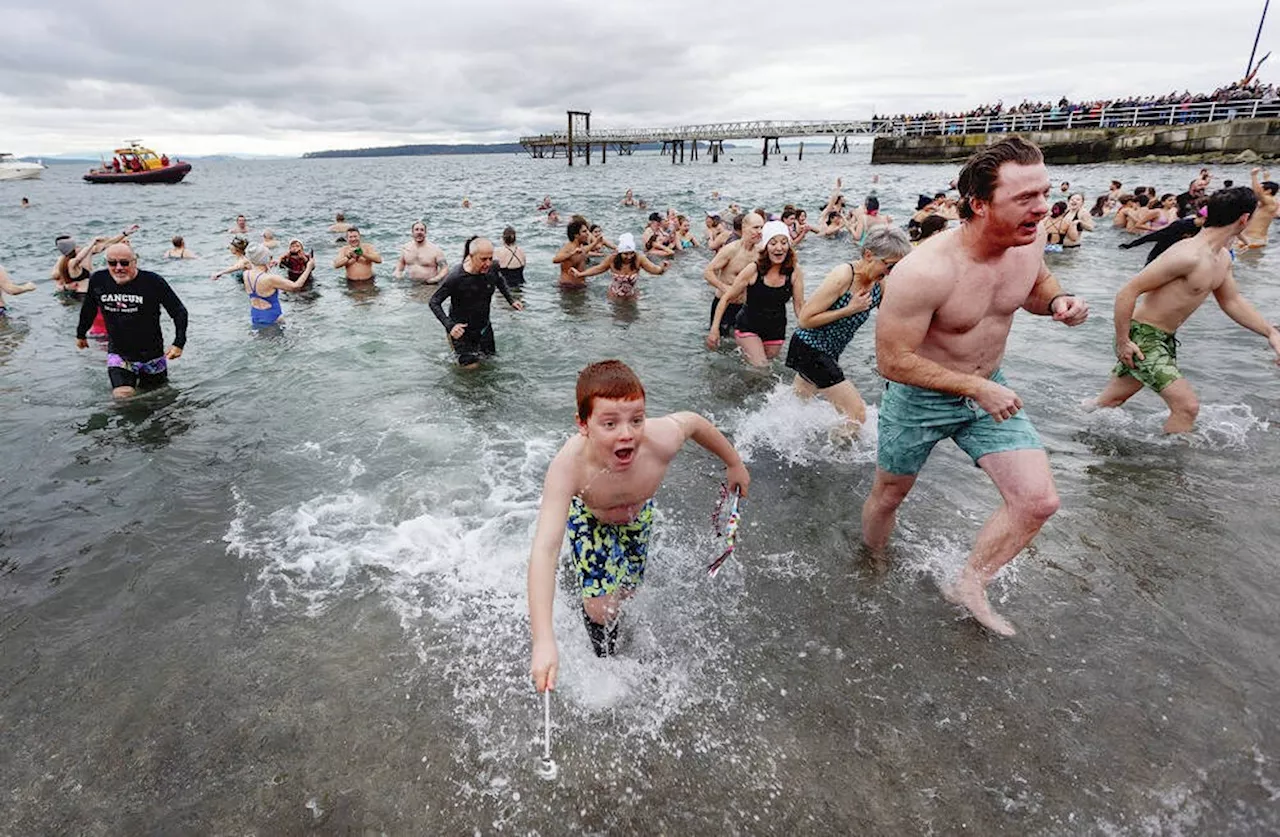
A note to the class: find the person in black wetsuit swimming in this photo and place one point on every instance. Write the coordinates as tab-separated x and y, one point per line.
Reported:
130	301
469	288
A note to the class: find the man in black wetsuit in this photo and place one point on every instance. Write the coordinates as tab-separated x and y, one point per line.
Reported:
469	287
130	300
1167	236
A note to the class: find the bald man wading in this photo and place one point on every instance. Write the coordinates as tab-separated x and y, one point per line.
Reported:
130	300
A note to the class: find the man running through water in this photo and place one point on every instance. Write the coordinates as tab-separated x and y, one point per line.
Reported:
940	337
469	288
727	264
1174	286
357	258
130	301
421	260
1255	235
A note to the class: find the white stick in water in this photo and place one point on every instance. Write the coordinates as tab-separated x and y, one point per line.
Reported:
549	770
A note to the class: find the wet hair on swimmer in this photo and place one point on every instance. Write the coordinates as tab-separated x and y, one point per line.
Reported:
977	179
606	379
466	248
509	236
259	254
1270	187
177	241
1227	205
887	242
239	244
575	229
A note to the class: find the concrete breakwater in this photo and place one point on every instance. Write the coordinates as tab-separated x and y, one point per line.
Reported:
1241	140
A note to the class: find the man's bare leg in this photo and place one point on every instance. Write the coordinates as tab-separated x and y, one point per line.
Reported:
123	392
1030	498
803	388
880	511
1183	406
1117	391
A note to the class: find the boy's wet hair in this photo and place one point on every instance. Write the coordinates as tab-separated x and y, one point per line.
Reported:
606	379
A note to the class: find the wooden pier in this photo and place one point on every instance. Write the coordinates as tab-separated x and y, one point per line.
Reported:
579	141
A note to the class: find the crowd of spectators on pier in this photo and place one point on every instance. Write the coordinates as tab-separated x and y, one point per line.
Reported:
1230	102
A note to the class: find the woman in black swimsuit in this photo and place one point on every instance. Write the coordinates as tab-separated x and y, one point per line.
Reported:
510	259
774	278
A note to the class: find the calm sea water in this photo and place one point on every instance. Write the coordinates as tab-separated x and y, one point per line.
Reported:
286	595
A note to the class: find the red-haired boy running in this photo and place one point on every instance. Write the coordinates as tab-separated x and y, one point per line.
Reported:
602	483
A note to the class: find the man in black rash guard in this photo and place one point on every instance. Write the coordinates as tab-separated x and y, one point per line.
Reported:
469	287
130	300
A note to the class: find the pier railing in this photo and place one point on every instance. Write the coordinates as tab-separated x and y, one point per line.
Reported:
1098	117
1006	122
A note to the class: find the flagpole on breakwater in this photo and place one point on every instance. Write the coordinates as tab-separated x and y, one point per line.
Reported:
1248	71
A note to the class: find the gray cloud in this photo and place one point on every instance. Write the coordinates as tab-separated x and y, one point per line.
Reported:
289	75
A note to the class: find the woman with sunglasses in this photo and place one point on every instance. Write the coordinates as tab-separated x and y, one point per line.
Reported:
829	319
625	267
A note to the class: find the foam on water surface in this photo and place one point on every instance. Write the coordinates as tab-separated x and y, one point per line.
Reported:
801	432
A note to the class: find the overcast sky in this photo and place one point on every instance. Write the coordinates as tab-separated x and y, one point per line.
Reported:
288	76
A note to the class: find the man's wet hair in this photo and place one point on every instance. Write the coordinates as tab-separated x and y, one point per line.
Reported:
575	228
737	222
977	179
1270	187
1227	205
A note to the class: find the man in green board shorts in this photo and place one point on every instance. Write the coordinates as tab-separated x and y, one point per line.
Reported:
940	337
1172	287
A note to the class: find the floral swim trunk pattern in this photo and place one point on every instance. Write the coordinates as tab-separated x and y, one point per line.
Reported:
610	557
1159	365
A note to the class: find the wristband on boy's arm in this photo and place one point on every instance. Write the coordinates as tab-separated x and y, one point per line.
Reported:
1056	298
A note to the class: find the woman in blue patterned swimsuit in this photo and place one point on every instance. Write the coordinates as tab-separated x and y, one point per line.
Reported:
830	318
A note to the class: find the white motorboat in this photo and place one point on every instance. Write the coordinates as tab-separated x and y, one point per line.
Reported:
11	168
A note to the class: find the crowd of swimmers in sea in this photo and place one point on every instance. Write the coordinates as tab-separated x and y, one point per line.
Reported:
946	299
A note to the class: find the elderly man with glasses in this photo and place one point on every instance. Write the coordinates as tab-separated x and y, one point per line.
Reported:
130	301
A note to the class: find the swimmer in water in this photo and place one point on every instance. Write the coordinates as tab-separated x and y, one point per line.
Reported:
629	199
339	224
573	254
546	203
179	250
717	231
728	262
264	287
299	264
771	281
469	291
553	218
684	236
832	316
625	267
241	226
8	286
511	259
357	258
655	237
466	203
1255	234
238	246
421	260
269	239
600	487
1171	288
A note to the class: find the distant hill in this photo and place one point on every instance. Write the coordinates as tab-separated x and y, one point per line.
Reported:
417	150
